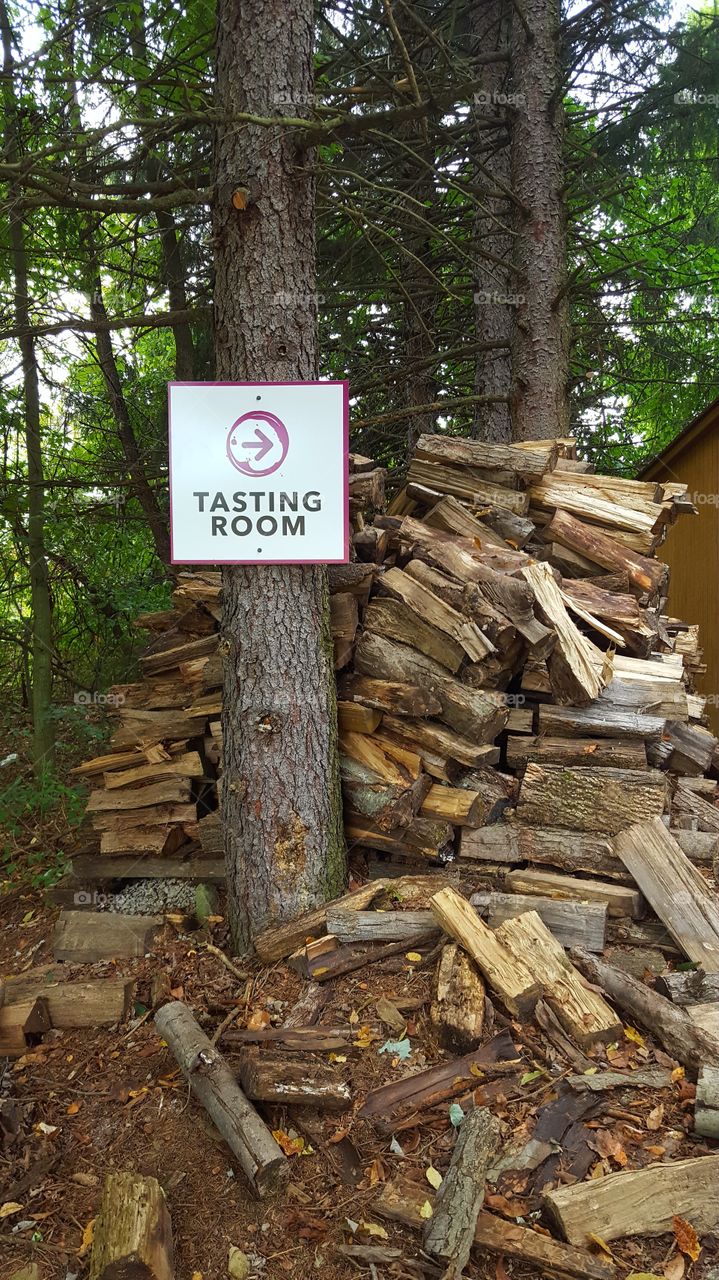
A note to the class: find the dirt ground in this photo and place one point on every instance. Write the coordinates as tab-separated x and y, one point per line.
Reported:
81	1103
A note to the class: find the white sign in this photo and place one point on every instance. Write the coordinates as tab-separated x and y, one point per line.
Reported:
259	472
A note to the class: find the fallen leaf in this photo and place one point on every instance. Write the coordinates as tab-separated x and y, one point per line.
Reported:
85	1179
73	1109
196	1275
426	1211
433	1177
529	1076
601	1244
390	1014
373	1229
88	1235
9	1207
686	1238
655	1117
238	1264
608	1146
677	1074
674	1269
290	1146
338	1057
258	1020
413	956
632	1034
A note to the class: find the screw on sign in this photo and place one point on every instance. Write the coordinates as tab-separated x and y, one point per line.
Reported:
252	438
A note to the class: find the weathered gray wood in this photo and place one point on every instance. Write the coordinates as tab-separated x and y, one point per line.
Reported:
706	1016
377	926
639	1202
574	924
510	842
450	1231
281	940
214	1085
686	803
133	1232
676	890
82	937
612	752
618	899
97	1003
644	1078
706	1104
695	987
589	799
292	1082
688	1043
700	847
601	722
459	1002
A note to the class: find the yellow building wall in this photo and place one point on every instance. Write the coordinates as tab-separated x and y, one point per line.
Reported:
692	552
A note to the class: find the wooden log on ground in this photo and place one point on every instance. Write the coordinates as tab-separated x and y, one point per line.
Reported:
459	1001
643	1078
676	890
583	1013
688	1043
98	1003
213	1084
589	799
133	1232
402	1200
613	753
438	1084
706	1016
343	960
393	696
574	924
577	670
292	1082
82	937
449	1233
706	1104
377	926
618	899
694	987
279	941
508	977
648	575
85	868
639	1202
20	1024
510	842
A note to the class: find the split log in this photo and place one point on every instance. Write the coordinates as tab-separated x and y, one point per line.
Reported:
600	722
689	749
590	542
387	695
280	940
377	926
393	620
706	1016
639	1202
618	899
613	753
213	1084
436	612
686	803
353	718
133	1232
344	620
583	1013
82	937
466	484
459	1002
127	759
168	658
20	1023
508	842
686	1042
343	960
421	838
508	977
171	791
307	1039
427	736
403	1201
706	1105
573	924
577	669
387	802
139	727
695	987
188	765
438	1084
449	1233
461	807
479	716
676	890
644	1078
452	516
86	868
456	451
590	799
292	1082
701	847
97	1003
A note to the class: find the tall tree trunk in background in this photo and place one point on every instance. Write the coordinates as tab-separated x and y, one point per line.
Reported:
41	603
281	804
494	309
540	350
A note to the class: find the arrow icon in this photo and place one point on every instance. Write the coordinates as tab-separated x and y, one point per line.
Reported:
262	444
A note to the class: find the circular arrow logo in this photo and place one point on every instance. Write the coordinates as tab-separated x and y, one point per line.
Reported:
255	438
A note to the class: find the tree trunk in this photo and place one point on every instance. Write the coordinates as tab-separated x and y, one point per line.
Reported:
281	803
40	597
540	348
494	308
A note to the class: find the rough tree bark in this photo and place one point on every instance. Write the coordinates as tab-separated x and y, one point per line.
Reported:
281	804
40	598
493	287
540	347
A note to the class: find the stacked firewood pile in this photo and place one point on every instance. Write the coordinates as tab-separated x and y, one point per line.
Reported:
511	690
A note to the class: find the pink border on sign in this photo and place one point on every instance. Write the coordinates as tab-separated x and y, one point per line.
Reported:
319	382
